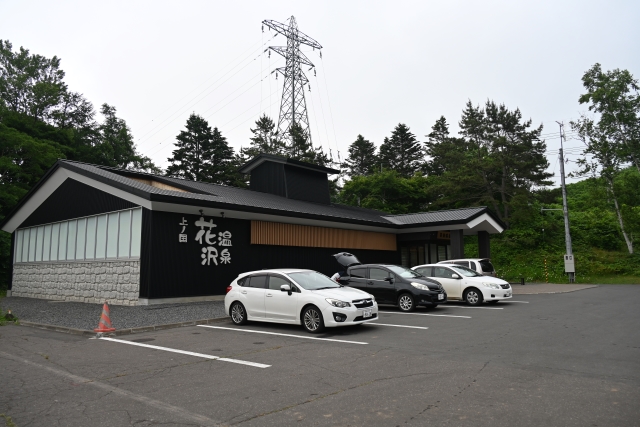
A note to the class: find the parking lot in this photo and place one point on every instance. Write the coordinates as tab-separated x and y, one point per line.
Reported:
569	359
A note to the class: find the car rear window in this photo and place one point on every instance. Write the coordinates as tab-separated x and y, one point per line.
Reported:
486	266
256	282
463	263
358	272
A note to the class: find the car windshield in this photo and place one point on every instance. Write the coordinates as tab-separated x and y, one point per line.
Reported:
464	271
403	272
312	280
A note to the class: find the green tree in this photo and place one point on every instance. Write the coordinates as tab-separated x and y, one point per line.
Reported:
193	145
613	95
362	158
115	147
265	139
387	191
504	156
600	159
301	148
221	163
30	84
443	152
401	152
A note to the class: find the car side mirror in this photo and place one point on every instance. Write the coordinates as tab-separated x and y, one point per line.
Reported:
455	276
285	288
389	279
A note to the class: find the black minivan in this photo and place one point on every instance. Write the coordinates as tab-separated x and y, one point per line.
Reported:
391	284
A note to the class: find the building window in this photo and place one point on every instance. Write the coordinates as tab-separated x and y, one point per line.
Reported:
114	235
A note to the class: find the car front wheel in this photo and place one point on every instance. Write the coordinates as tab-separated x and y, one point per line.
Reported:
238	313
406	303
473	296
312	320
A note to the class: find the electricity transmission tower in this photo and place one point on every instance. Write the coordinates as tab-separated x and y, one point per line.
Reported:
293	107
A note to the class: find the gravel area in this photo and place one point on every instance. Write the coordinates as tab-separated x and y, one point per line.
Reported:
85	316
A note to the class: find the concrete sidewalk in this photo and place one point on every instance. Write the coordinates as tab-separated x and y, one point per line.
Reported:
548	288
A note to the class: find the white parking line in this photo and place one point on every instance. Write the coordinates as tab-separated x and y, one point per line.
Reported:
462	306
282	335
521	302
425	314
398	326
189	353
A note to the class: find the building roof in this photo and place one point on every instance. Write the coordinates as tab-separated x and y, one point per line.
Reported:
175	191
261	158
445	216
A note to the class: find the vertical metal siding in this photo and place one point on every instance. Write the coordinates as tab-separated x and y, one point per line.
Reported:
307	185
146	252
74	199
170	269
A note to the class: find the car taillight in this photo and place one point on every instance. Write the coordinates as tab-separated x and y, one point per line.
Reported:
229	288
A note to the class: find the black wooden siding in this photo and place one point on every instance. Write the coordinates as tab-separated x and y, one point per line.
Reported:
74	199
307	185
269	178
171	269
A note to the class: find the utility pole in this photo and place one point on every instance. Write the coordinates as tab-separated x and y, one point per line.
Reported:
569	265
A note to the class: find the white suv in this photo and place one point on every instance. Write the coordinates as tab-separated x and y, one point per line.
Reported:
297	297
462	283
480	265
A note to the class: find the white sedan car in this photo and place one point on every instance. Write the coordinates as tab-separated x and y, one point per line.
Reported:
462	283
297	297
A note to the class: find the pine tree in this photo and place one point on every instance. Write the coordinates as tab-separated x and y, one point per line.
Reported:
362	158
265	139
220	166
189	160
401	152
302	149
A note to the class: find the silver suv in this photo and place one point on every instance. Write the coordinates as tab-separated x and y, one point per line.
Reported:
481	265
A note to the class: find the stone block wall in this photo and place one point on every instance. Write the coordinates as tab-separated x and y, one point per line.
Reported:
117	282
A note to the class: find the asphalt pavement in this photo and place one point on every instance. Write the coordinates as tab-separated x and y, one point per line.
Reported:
567	359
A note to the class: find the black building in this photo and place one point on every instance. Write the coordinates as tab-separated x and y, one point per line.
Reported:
89	233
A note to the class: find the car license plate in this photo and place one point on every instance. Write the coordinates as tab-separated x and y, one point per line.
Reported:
366	313
440	296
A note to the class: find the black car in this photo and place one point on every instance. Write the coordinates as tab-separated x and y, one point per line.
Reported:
391	284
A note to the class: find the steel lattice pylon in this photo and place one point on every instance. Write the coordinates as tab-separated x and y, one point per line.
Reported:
293	107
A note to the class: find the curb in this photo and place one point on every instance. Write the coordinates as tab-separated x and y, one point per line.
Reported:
126	331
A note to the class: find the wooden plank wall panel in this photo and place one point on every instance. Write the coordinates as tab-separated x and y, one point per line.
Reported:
274	233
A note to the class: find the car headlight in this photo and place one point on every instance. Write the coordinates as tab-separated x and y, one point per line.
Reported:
420	286
338	303
491	285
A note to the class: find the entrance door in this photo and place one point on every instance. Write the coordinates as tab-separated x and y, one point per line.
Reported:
254	289
280	305
379	285
453	287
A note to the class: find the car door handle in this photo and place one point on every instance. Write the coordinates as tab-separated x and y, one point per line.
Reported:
243	292
369	283
269	295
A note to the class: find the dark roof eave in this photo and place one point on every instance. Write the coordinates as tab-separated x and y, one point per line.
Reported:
166	198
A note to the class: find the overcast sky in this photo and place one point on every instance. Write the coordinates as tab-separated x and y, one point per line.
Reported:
383	63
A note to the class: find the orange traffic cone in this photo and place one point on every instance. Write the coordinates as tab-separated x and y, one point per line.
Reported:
104	325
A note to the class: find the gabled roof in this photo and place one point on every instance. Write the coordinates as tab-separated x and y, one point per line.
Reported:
176	191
